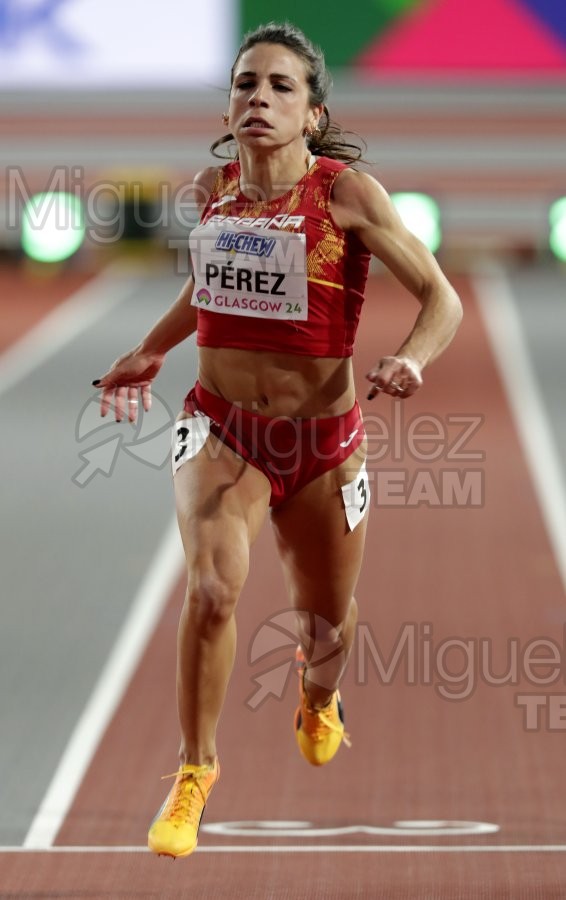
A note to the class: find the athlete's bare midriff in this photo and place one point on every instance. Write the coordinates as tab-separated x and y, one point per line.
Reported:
278	384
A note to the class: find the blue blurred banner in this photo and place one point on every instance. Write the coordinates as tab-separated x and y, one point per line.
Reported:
82	43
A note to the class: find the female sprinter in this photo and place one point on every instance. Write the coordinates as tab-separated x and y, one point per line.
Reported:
280	260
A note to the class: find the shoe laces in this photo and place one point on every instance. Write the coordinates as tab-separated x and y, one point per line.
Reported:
321	721
332	726
189	794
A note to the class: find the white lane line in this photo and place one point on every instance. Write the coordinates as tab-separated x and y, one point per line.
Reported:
511	354
62	325
108	692
319	848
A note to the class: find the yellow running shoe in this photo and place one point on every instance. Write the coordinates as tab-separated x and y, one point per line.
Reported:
174	831
319	731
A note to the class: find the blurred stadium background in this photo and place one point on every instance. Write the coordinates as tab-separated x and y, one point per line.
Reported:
464	102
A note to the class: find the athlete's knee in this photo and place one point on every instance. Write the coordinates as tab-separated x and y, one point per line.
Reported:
328	632
317	630
352	615
212	598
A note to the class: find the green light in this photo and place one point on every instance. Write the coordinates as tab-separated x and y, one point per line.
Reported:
557	218
52	226
421	215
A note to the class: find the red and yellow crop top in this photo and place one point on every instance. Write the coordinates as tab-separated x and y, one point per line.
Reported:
278	276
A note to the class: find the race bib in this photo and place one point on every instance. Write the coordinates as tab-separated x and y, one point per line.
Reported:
245	270
356	495
189	437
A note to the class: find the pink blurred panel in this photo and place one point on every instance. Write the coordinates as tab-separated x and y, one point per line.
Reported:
485	35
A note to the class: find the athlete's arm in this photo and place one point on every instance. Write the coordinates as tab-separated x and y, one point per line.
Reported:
137	368
361	205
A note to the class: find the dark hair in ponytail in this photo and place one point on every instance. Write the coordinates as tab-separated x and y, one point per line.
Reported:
329	138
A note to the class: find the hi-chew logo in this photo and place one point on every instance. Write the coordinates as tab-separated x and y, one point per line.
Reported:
250	244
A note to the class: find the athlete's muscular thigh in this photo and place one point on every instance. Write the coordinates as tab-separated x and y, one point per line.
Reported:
321	556
221	503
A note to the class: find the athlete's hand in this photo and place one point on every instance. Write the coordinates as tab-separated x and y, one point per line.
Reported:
399	376
121	385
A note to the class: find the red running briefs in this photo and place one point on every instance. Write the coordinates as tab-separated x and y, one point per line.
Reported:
290	452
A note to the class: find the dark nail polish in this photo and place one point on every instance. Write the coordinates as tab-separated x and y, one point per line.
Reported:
96	382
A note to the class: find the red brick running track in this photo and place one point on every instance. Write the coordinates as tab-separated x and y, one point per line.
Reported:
475	568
